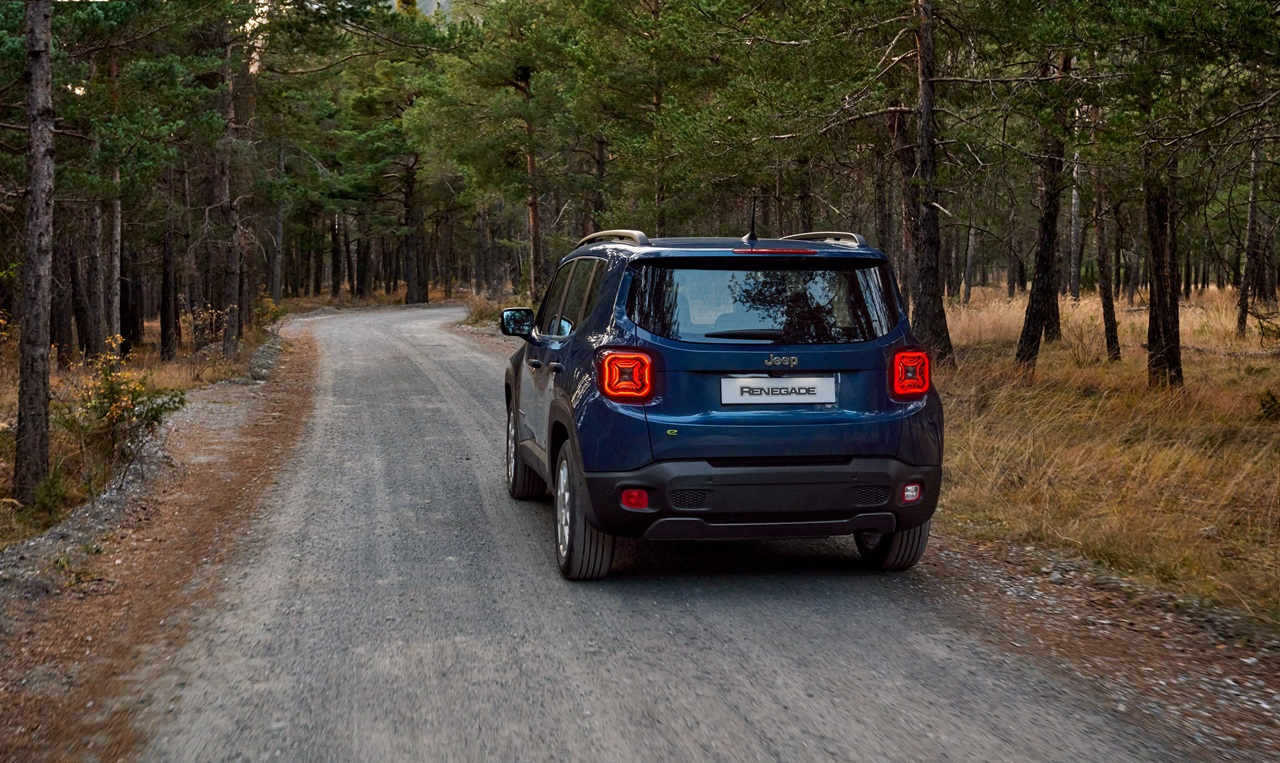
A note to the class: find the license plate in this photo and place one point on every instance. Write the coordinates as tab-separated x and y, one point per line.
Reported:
761	390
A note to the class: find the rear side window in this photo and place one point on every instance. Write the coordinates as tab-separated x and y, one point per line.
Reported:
780	302
550	308
579	289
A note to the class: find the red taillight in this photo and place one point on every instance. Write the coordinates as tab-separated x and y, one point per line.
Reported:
634	498
626	376
775	251
910	374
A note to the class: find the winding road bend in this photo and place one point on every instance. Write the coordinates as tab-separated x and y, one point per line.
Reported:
393	603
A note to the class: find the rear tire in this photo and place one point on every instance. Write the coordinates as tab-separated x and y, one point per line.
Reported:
892	552
582	551
522	481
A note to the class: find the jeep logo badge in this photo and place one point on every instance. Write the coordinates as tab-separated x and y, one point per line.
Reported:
789	361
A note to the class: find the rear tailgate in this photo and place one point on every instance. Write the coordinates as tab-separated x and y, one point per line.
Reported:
695	416
769	357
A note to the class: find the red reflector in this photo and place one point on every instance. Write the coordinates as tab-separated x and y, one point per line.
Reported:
910	374
775	251
626	377
635	498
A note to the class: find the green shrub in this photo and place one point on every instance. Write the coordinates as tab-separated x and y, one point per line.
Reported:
266	311
108	409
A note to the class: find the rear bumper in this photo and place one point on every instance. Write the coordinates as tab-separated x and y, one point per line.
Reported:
694	499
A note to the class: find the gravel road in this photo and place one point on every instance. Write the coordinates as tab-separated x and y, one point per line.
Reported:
394	604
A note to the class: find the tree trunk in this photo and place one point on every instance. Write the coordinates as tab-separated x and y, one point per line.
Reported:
31	455
168	298
600	159
80	301
111	278
884	212
94	280
1164	349
316	257
929	319
1252	244
62	308
1013	273
970	245
335	259
111	283
805	197
277	249
228	205
909	208
1053	314
1042	304
349	256
130	303
1104	273
1077	229
535	218
364	259
411	246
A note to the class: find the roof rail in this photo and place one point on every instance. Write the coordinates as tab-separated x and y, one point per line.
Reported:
828	235
635	236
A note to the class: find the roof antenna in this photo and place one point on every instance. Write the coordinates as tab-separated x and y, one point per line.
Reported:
750	238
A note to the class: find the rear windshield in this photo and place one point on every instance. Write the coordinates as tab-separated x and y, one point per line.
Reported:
779	304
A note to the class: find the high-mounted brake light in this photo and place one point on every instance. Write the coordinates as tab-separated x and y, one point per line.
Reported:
910	374
626	376
775	251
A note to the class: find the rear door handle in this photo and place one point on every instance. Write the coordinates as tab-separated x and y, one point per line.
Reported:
556	367
533	363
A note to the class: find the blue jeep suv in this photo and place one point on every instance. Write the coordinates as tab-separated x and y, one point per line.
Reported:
723	388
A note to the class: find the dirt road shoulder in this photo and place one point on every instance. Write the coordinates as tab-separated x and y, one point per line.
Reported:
67	646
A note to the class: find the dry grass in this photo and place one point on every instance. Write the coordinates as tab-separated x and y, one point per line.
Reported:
1179	487
77	474
481	310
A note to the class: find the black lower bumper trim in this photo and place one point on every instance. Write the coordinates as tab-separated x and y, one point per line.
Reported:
694	528
695	499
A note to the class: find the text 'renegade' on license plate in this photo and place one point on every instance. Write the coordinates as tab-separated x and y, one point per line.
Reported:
759	390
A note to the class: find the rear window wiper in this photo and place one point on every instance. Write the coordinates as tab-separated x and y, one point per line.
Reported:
774	334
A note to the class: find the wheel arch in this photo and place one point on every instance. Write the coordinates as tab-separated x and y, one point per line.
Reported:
559	431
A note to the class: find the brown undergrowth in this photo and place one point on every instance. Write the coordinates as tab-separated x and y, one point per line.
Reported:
1179	487
66	654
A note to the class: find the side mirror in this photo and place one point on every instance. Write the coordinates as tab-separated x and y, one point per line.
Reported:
517	321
